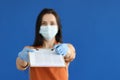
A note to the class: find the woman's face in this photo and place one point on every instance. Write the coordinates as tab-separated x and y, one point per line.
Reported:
49	19
49	27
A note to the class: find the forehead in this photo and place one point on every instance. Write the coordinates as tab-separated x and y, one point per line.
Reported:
49	17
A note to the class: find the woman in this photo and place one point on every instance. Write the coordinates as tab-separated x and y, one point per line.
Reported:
47	35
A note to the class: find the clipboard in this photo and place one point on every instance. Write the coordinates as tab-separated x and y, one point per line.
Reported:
46	58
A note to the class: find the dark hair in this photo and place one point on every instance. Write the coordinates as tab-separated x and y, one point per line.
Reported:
38	41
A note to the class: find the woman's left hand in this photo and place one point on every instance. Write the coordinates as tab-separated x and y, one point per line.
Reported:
67	50
61	49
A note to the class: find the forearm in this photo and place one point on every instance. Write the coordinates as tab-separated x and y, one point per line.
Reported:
20	64
70	54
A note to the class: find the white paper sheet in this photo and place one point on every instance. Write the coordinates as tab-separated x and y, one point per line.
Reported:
46	58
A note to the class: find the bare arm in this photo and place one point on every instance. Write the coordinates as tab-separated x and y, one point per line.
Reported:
20	64
71	54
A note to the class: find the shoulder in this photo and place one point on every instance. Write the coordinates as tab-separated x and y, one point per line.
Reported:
33	47
30	47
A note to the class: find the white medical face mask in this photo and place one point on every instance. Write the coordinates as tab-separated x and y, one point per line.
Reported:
48	32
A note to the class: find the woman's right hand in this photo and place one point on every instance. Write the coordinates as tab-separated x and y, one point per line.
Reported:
23	55
22	61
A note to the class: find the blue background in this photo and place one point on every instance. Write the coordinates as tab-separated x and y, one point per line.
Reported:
92	26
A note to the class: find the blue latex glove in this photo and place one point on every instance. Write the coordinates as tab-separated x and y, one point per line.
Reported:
24	54
61	49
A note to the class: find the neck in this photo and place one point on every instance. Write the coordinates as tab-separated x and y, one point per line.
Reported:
49	43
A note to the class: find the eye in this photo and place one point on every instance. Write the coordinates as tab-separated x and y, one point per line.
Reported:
44	23
52	23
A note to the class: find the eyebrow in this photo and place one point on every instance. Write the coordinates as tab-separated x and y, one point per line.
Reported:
46	21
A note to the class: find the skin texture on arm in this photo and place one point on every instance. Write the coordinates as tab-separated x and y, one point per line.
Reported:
71	54
21	64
